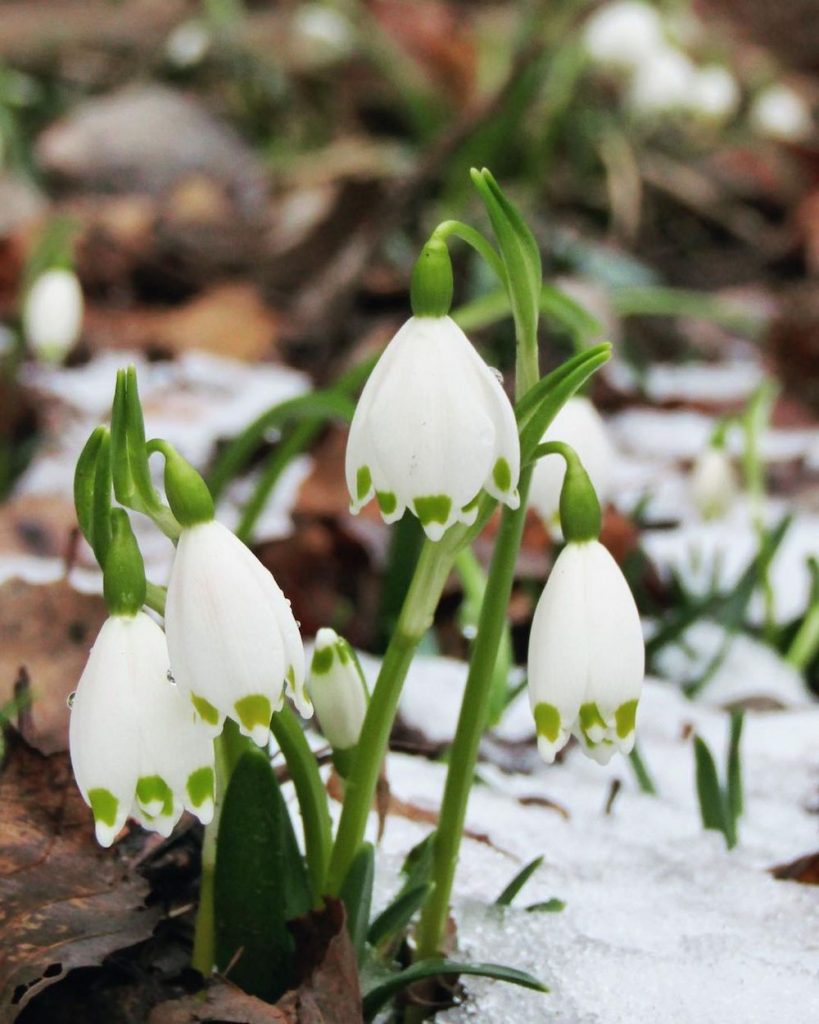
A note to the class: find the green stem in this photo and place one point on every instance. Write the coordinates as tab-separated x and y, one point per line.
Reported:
311	794
155	597
471	723
228	748
432	570
474	238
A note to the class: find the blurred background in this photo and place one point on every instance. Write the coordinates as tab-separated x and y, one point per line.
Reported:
231	194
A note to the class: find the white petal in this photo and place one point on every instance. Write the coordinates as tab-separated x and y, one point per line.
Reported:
558	650
223	631
338	690
104	731
580	425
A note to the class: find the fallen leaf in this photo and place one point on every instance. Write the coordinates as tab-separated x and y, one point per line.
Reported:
803	869
48	630
223	1003
64	902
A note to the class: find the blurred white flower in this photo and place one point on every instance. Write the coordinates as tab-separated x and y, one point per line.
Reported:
715	95
323	34
663	82
432	428
580	425
187	45
233	641
52	314
137	748
713	483
623	34
338	690
586	655
782	113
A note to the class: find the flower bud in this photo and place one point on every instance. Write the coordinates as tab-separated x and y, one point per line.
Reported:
52	314
338	690
622	34
432	428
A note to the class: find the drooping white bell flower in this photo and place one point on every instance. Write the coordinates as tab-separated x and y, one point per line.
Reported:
782	113
233	641
338	690
137	748
432	428
579	424
586	655
663	82
713	483
52	314
623	34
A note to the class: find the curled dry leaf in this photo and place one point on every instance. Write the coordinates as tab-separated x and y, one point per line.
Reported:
803	869
64	902
47	630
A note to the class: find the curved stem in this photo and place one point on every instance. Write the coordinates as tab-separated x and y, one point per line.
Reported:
432	570
311	794
448	228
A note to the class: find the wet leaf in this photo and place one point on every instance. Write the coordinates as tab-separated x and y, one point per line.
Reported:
64	902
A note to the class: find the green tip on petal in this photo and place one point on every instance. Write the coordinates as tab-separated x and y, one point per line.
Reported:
154	796
363	483
547	721
254	713
433	509
206	711
592	723
322	661
104	807
201	786
626	718
502	475
387	502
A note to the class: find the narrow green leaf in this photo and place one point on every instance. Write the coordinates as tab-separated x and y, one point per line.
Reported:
260	881
417	866
395	917
101	510
552	906
380	994
541	404
84	479
735	790
709	793
120	459
518	882
357	895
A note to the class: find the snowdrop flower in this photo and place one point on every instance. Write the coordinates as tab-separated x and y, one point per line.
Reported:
188	44
52	314
338	690
623	34
586	655
233	641
579	424
137	748
432	428
781	113
663	81
713	484
715	95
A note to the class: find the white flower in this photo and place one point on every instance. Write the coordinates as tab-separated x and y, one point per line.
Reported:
623	34
188	43
137	748
782	113
338	690
580	425
433	426
233	641
664	81
713	483
715	95
586	655
52	314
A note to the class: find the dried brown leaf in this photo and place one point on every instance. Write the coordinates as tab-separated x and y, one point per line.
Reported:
64	902
46	629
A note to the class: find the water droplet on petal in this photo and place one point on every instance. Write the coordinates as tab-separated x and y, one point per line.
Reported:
170	678
496	374
71	699
470	631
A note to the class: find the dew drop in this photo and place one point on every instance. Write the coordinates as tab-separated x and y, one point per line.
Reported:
469	631
496	374
70	700
170	678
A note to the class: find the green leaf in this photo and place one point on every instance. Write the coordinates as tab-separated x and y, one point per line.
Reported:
380	994
417	866
709	793
734	794
395	917
92	492
260	881
552	906
518	882
357	895
539	406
